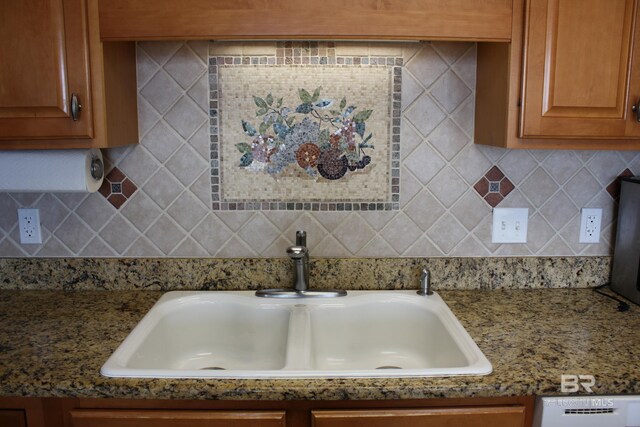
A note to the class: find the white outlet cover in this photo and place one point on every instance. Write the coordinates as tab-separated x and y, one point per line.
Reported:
29	226
590	223
510	225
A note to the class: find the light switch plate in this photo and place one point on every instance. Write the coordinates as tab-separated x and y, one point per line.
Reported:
510	225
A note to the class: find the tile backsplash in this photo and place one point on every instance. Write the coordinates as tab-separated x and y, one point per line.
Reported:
448	184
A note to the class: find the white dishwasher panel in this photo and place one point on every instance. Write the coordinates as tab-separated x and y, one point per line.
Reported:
587	411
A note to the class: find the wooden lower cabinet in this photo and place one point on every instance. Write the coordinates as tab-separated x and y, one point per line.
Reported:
80	412
500	416
11	418
142	418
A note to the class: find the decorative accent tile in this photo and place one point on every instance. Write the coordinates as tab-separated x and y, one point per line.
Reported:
614	187
117	188
306	132
493	187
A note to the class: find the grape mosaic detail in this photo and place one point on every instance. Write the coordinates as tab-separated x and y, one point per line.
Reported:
317	136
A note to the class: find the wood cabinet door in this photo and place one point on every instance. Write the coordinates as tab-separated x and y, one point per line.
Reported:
501	416
11	418
579	76
177	418
44	51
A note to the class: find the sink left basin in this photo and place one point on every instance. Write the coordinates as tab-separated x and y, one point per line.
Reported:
196	333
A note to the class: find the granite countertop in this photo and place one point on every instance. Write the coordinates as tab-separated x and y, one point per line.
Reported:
53	343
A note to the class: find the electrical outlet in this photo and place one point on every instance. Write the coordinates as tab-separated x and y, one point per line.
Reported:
29	224
510	225
590	225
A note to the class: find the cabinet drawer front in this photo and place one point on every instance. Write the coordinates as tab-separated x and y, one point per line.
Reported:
142	418
578	60
501	416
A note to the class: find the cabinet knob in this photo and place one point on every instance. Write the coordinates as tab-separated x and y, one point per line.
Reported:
76	107
636	109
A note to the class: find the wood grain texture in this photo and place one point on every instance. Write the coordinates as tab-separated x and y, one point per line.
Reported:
9	418
304	19
46	41
160	418
501	416
109	100
499	126
578	60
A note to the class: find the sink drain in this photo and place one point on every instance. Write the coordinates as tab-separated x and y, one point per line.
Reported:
212	368
388	367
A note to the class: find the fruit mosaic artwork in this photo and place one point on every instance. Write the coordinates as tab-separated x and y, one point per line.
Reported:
323	137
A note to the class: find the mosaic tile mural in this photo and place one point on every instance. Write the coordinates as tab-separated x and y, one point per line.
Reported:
321	137
441	213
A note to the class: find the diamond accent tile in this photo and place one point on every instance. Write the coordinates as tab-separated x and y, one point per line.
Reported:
117	188
614	187
494	186
450	91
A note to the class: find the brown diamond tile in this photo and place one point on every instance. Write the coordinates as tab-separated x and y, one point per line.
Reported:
614	188
116	175
494	174
117	200
506	187
482	186
494	199
105	188
128	188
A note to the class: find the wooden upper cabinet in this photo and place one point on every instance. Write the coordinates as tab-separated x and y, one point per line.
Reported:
502	416
52	54
306	19
581	69
45	61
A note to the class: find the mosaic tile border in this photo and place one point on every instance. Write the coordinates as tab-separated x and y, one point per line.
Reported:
319	54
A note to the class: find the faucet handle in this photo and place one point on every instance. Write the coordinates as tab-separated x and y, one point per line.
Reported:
301	238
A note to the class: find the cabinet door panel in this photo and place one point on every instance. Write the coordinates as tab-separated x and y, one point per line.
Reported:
153	418
504	416
44	48
578	57
10	418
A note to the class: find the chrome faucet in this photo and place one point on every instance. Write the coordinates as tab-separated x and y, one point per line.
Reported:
425	283
299	253
300	256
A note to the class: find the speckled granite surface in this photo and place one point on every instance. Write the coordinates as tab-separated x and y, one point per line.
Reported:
261	273
52	343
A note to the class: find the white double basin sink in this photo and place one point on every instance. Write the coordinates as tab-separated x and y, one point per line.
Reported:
225	334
